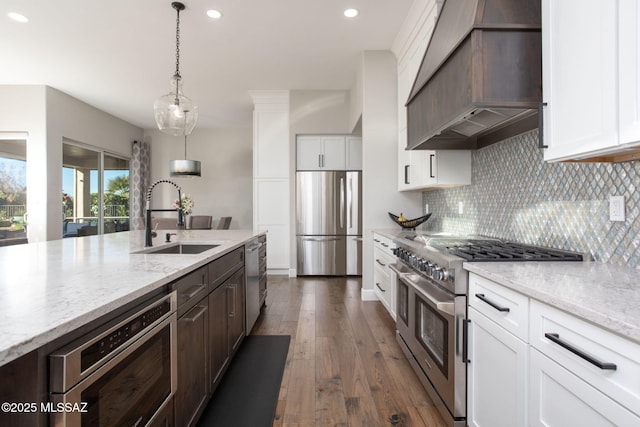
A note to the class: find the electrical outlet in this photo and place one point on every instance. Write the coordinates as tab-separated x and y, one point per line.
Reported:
426	208
460	208
616	208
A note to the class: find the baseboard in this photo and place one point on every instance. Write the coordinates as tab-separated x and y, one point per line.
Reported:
278	272
368	295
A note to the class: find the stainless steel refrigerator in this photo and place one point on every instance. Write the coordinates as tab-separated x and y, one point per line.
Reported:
329	223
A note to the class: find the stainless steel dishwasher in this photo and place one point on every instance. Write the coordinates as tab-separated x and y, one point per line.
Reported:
252	281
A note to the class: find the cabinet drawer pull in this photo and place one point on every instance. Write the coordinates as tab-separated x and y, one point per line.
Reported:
381	263
586	356
481	297
192	291
385	245
380	287
193	318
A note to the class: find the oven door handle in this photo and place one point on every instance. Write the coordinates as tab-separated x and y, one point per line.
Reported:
446	306
396	270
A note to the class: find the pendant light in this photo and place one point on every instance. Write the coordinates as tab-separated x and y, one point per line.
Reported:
171	110
184	167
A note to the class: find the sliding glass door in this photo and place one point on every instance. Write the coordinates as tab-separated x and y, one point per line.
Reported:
95	191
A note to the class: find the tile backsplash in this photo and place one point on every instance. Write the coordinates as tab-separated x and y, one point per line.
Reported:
515	195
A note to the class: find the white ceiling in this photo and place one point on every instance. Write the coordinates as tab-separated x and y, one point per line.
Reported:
118	55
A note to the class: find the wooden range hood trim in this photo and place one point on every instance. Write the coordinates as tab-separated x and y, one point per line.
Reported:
469	77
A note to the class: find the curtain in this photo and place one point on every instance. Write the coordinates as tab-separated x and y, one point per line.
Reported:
140	177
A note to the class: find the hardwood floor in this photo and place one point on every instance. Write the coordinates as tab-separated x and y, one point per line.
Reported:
344	366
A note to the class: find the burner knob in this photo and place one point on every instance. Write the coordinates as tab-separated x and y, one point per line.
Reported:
429	268
440	273
422	264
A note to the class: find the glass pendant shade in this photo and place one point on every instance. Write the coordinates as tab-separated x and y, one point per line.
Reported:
175	114
184	168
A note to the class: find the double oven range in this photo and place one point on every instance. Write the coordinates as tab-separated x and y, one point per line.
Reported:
431	307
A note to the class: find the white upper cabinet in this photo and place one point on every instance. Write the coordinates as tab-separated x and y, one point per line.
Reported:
425	169
629	59
591	78
328	152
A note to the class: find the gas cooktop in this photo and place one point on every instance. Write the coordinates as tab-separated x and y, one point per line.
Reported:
490	250
481	248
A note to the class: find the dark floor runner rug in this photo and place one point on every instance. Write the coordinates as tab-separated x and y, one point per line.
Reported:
248	393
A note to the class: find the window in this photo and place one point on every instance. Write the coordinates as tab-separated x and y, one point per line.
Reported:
95	192
13	191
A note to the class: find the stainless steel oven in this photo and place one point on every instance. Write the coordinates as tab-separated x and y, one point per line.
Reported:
431	330
431	307
122	376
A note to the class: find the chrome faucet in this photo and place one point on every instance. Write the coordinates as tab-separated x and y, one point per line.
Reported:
147	227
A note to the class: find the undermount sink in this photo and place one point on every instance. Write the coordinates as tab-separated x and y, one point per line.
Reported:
180	248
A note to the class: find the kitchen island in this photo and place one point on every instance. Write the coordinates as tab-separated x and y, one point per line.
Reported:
50	288
89	320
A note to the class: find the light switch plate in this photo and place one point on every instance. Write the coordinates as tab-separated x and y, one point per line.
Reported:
460	208
616	208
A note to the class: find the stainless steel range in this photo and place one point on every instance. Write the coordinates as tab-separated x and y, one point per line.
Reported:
431	312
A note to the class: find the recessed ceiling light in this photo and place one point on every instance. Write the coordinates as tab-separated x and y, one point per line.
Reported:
351	13
18	17
215	14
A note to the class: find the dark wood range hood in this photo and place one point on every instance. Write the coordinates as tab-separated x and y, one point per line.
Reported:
480	80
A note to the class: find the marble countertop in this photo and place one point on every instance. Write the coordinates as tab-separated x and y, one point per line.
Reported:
604	294
48	289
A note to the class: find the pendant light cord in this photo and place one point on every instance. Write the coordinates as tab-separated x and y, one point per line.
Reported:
177	42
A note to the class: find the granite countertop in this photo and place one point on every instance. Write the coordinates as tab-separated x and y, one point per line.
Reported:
48	289
604	294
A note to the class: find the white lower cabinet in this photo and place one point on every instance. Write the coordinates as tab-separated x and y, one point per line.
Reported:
498	355
383	277
497	377
562	372
559	398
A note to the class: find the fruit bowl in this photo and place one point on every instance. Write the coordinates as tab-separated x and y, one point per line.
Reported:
409	223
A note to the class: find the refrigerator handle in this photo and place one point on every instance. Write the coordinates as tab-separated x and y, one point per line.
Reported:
342	203
350	204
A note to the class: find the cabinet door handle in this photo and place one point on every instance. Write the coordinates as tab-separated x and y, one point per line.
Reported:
233	287
580	353
465	340
194	317
481	297
381	263
380	287
431	156
541	143
319	160
406	174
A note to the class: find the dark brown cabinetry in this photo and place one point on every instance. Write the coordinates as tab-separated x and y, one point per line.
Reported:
262	268
226	312
235	296
193	349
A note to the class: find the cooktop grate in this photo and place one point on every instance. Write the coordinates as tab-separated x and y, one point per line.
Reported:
508	251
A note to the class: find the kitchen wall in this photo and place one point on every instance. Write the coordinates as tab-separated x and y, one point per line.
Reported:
226	185
515	195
